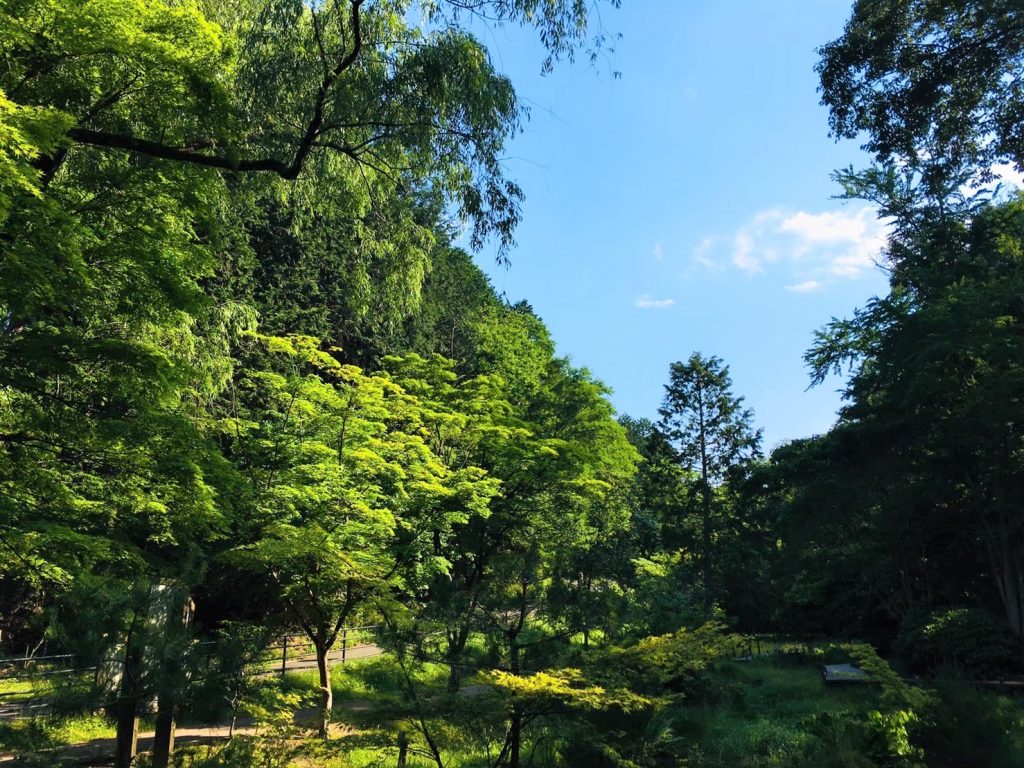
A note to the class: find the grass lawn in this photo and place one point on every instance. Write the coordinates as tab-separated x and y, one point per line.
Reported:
766	713
32	735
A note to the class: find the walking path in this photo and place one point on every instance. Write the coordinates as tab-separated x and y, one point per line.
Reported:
354	653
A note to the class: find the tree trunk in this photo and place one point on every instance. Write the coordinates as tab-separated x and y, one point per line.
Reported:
706	565
163	738
421	723
326	694
705	533
516	724
454	678
1007	566
403	749
1008	571
127	740
515	736
456	645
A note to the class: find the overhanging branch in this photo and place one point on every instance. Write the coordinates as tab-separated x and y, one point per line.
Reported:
286	170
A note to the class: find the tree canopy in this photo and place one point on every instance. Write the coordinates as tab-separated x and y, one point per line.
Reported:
253	392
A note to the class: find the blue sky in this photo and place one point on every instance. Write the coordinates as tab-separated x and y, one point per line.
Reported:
687	205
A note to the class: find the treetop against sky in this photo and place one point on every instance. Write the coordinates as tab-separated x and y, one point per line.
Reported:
688	205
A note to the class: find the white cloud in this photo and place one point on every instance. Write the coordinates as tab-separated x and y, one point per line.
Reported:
646	302
1009	175
828	227
743	255
807	286
702	254
657	251
810	247
750	251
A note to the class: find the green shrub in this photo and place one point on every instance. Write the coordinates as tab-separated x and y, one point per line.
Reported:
838	740
969	726
970	640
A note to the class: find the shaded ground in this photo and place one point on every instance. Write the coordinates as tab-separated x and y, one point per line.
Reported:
22	706
95	751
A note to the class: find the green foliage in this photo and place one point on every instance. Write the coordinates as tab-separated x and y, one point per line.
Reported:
971	726
562	688
241	360
711	437
662	597
930	83
675	660
29	736
706	424
935	366
26	133
343	480
968	639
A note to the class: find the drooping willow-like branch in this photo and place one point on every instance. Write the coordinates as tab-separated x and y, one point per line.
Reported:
285	169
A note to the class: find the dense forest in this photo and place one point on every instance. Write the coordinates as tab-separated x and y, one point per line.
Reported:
255	390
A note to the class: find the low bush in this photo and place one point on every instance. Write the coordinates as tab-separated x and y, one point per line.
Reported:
970	640
970	726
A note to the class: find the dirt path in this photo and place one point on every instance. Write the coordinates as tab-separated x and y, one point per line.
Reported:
354	653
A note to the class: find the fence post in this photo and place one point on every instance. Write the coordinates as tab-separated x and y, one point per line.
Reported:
344	644
284	655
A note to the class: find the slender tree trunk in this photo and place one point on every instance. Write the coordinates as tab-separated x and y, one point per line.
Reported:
172	668
421	722
163	738
516	723
403	749
1011	582
1007	566
705	532
706	565
515	736
456	645
454	678
127	737
326	694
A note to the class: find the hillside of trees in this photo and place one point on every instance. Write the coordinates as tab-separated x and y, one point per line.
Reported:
254	385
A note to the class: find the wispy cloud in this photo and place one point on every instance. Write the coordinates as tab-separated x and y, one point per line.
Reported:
657	251
703	254
814	248
807	286
646	302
